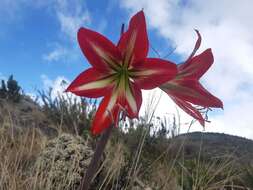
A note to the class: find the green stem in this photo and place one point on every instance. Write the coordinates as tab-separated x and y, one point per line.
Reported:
87	179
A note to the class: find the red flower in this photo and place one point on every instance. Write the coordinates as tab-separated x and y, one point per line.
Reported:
185	88
119	72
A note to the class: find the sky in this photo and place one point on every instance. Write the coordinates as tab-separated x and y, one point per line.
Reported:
38	46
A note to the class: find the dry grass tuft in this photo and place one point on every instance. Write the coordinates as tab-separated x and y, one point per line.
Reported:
17	156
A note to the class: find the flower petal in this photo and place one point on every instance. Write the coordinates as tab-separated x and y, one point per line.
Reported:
91	83
107	114
153	72
134	42
131	100
189	109
100	52
197	66
191	91
196	47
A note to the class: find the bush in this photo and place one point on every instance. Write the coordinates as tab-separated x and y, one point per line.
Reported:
3	90
68	113
11	90
63	162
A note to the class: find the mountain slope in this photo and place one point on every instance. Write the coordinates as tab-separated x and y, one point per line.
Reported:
211	145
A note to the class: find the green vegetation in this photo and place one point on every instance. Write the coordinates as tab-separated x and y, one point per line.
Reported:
10	90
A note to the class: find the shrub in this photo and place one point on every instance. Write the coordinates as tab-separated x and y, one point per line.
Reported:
3	90
11	90
63	161
69	113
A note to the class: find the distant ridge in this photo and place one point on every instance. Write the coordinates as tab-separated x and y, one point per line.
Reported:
216	145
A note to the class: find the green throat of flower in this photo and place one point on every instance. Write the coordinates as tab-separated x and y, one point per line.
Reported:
123	77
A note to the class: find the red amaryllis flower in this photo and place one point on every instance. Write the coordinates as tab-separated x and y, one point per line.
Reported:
185	88
119	72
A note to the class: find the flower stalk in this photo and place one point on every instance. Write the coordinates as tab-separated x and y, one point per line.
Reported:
87	179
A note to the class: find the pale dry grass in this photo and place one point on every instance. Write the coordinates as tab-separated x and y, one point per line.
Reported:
17	154
21	147
22	166
18	172
21	143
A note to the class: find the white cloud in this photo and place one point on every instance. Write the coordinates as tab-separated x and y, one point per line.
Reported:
227	28
55	54
58	85
158	101
71	15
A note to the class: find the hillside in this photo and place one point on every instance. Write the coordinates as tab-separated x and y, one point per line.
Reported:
215	145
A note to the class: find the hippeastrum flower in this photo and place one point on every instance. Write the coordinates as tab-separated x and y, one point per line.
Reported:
119	72
185	88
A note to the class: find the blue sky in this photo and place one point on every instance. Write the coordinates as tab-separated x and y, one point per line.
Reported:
38	45
39	39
